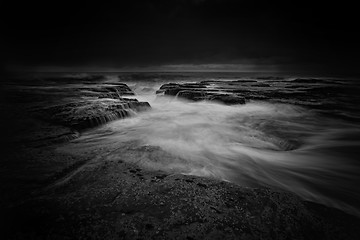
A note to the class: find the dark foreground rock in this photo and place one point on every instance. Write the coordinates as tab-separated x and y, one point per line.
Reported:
116	200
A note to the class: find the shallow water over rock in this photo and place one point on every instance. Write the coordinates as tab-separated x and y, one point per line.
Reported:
257	144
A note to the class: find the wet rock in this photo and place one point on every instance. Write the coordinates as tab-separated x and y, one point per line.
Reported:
191	95
261	85
261	88
203	91
118	90
86	114
109	95
172	91
105	202
194	85
308	80
174	88
228	99
76	105
246	81
169	85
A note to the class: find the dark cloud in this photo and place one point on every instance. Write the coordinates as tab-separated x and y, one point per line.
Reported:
294	35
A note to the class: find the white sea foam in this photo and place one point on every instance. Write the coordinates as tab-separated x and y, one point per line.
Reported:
256	144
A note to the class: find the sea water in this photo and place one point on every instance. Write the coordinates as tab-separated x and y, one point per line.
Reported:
295	144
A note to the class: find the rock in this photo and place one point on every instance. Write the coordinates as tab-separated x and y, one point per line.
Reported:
261	85
169	85
172	91
116	89
113	199
228	99
70	103
193	85
203	91
308	80
109	95
263	88
192	95
85	114
246	81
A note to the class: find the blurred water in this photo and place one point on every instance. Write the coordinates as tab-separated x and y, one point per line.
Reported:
258	144
303	137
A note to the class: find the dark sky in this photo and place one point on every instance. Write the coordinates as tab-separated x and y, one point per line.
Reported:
287	36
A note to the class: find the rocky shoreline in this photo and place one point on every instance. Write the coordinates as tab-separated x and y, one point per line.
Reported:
49	194
296	91
200	92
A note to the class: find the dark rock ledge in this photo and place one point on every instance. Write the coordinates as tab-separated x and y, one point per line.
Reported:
81	115
76	106
296	91
94	106
199	92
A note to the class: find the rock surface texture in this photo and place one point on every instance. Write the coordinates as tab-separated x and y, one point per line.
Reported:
77	103
201	91
115	200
